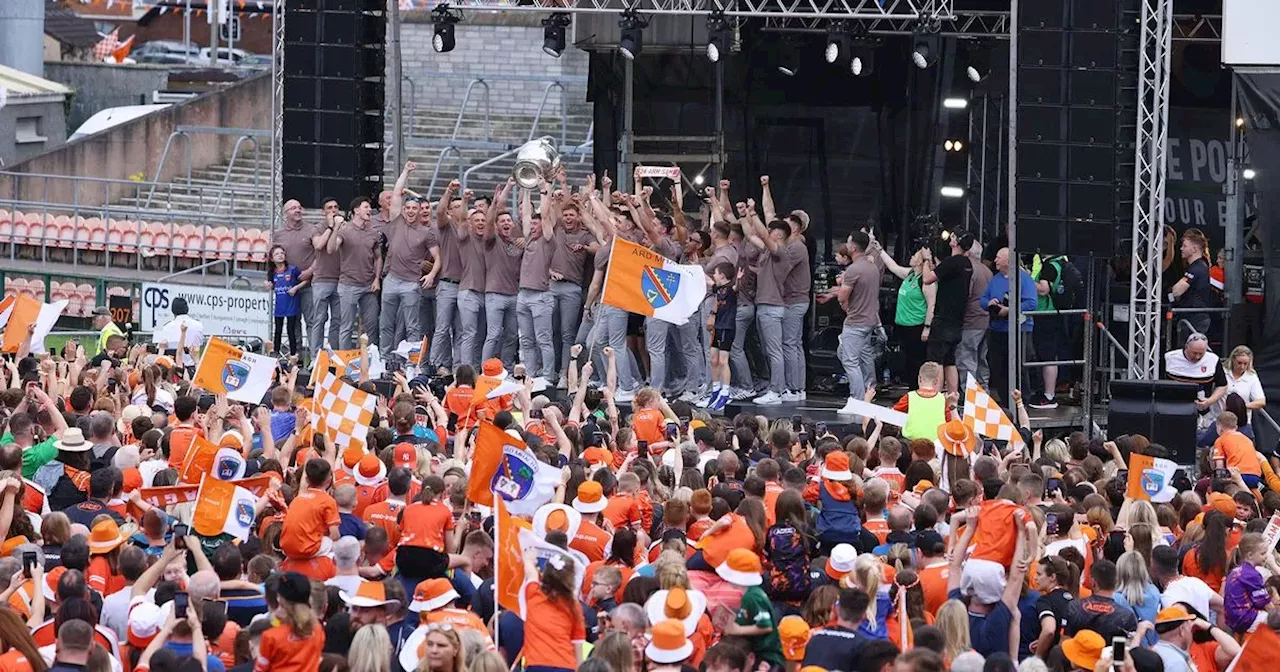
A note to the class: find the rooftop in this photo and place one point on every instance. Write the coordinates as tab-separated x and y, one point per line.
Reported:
19	84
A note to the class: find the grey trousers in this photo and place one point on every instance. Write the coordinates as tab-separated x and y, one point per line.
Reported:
770	320
857	354
535	311
305	304
793	345
501	327
611	330
357	302
325	311
444	345
568	296
739	367
971	357
399	312
471	321
656	335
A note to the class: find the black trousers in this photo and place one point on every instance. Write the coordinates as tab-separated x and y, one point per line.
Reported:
295	333
998	361
913	350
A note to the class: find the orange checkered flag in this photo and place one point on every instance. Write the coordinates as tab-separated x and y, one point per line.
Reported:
342	412
985	417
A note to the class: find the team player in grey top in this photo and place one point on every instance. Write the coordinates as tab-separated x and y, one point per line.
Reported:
451	213
471	250
358	245
858	291
572	245
503	256
295	237
410	241
535	305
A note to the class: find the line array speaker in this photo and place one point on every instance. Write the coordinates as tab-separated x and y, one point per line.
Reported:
334	91
1077	109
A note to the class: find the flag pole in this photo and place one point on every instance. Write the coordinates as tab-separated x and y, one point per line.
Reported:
497	608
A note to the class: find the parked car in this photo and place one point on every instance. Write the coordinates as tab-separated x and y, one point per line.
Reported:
163	47
225	55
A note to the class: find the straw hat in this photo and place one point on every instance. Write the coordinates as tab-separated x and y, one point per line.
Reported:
956	438
741	568
668	644
686	606
432	594
556	517
836	466
369	594
590	498
1084	649
370	471
73	441
105	537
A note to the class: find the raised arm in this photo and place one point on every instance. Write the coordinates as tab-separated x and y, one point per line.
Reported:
335	235
526	215
397	192
894	268
443	218
766	199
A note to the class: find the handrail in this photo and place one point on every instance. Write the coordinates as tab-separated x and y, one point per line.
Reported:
564	123
201	268
435	175
487	162
462	109
504	77
226	178
164	155
1267	416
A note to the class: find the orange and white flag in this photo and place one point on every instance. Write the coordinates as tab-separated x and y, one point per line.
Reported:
343	413
985	417
222	507
644	282
19	313
226	369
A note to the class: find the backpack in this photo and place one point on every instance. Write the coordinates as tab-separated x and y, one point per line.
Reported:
1068	292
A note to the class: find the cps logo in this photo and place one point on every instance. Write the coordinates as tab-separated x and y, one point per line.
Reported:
156	297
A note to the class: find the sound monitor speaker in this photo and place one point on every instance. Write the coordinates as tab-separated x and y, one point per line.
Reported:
1077	85
334	94
1164	411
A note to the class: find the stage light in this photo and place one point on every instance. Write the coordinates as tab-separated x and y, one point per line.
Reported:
953	145
788	60
864	59
952	192
443	22
698	180
1239	122
553	34
979	62
719	36
1248	173
632	39
839	43
925	52
955	103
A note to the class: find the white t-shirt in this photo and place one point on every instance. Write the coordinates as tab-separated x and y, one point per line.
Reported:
347	584
115	611
1189	590
1247	386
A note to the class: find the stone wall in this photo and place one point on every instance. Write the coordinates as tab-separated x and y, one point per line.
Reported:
492	44
98	86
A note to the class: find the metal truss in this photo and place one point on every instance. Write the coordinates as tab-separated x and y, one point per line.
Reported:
892	14
1151	159
1197	28
277	109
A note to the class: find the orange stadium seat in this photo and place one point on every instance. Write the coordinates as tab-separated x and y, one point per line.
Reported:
88	298
187	240
6	226
36	285
93	234
261	244
113	235
19	229
59	291
126	234
14	285
222	242
63	233
162	239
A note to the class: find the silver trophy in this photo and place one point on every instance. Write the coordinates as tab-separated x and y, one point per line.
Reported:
536	160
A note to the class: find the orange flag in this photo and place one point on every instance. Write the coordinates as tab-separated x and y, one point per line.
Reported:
510	559
1151	478
200	458
485	461
1261	649
22	312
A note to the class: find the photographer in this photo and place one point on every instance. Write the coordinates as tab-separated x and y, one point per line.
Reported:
996	300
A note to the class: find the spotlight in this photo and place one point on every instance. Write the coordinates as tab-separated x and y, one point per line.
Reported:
1239	122
443	19
698	179
719	36
925	51
553	33
839	43
979	63
953	145
788	58
952	192
864	59
632	39
1248	173
955	103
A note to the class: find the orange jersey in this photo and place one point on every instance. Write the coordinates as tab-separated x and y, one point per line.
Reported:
878	527
738	535
1239	452
424	525
591	540
365	496
771	492
100	578
646	509
386	514
549	639
383	491
697	528
283	651
649	425
458	402
13	661
590	574
319	568
997	536
933	581
180	440
622	511
307	522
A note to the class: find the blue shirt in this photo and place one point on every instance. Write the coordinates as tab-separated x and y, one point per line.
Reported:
998	289
282	281
988	633
350	525
283	424
213	664
1145	612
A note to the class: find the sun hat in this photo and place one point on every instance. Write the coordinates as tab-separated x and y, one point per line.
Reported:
956	438
145	619
590	498
922	487
836	466
1182	592
406	455
492	367
741	568
794	633
1084	649
983	579
231	439
686	606
597	455
840	562
105	537
369	594
559	517
351	456
127	416
370	471
432	594
1175	614
668	643
50	587
73	441
1222	502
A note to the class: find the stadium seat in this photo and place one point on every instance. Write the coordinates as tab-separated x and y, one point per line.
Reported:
59	291
66	231
88	298
113	234
222	243
16	285
19	229
6	226
261	244
93	235
36	287
188	239
162	239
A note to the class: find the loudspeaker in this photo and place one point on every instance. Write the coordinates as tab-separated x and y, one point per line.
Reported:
334	94
1077	98
1164	411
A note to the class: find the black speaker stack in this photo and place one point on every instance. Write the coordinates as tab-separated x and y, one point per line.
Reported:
1077	114
1164	411
334	89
